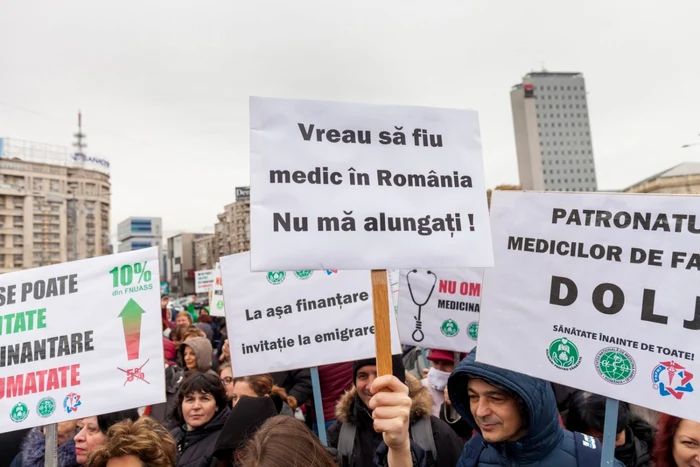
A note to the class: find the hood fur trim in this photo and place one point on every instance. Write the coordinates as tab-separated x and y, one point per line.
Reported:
420	408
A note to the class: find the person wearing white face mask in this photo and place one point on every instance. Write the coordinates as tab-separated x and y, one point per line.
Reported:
442	362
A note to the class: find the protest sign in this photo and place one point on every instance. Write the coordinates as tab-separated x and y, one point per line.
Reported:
439	308
80	339
216	296
597	292
396	186
297	319
204	280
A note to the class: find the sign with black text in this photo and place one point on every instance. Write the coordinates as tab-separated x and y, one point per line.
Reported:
597	292
439	309
396	186
297	319
79	339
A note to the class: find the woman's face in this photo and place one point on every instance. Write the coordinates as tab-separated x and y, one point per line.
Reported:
686	444
182	321
190	358
88	439
240	389
198	409
227	379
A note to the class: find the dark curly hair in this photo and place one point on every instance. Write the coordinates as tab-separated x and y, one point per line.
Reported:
105	421
202	383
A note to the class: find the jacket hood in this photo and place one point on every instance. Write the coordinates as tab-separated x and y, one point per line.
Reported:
242	423
543	429
202	349
420	408
34	446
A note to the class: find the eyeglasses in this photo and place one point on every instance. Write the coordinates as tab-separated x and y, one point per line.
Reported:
227	380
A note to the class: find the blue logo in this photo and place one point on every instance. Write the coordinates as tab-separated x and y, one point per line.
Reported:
94	160
72	402
668	371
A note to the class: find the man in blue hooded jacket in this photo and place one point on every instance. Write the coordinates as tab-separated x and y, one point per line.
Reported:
517	420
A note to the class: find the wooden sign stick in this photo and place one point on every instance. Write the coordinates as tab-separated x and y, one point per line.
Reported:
382	327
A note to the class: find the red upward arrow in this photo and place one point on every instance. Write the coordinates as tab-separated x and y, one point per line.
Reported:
131	322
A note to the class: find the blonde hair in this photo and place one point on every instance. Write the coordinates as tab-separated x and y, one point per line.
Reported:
186	315
263	385
145	438
283	441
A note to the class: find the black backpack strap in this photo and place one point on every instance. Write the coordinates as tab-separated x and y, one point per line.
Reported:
346	442
422	435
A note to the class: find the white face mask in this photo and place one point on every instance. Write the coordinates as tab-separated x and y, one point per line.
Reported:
438	379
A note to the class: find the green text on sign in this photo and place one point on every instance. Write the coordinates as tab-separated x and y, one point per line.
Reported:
124	275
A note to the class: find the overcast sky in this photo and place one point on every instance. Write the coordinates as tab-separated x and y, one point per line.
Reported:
164	85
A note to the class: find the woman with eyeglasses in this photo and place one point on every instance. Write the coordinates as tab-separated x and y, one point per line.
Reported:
226	375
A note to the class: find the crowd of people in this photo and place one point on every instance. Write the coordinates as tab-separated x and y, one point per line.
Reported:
445	410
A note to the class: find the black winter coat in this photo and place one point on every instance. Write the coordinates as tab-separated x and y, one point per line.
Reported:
635	452
351	408
196	448
297	383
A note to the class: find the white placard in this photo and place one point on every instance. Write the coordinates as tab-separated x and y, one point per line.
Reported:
439	308
204	280
289	320
396	186
80	339
597	292
216	296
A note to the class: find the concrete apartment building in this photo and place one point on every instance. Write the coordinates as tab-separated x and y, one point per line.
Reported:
54	205
232	232
205	252
181	263
552	132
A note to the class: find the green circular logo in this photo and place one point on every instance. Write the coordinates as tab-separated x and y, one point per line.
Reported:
303	275
449	328
19	412
473	330
276	277
615	365
563	354
46	407
220	304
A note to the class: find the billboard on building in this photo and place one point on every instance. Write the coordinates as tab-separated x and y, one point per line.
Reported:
30	151
242	193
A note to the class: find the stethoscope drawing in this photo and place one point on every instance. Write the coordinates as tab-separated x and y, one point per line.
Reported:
418	335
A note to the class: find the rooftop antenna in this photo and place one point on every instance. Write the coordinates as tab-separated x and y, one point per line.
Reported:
544	70
79	141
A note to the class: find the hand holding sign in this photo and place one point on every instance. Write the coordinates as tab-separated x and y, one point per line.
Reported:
391	411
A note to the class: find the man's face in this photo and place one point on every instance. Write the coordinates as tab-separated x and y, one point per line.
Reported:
496	412
365	377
